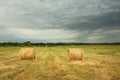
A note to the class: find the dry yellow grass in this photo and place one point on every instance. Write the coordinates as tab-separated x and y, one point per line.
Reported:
51	64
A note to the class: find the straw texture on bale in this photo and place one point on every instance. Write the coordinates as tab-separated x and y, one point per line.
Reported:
27	53
75	54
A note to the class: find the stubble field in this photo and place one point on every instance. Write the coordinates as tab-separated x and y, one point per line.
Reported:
102	63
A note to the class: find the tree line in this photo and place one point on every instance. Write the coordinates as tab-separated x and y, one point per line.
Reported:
28	43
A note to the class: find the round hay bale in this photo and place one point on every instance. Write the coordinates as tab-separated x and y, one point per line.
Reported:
94	48
75	54
27	53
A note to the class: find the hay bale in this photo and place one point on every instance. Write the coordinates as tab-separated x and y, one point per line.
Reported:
75	54
94	48
27	53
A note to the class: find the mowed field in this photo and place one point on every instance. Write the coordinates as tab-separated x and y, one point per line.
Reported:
102	63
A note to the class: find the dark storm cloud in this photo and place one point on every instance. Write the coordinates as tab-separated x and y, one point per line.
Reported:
60	20
109	20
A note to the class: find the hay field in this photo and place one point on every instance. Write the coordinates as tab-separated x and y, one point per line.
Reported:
102	63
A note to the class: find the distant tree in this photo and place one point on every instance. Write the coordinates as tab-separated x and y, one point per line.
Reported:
27	43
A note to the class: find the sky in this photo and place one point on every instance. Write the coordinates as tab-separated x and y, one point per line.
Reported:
60	20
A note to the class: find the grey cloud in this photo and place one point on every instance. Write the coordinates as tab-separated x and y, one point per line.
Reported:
99	35
81	16
105	21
